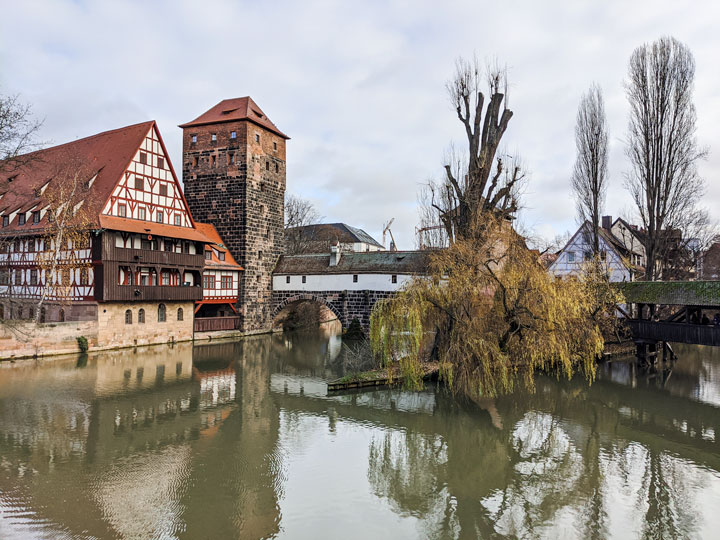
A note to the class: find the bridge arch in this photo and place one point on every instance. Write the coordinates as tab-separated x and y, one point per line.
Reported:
298	299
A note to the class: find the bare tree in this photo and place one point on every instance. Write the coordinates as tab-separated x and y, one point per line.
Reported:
483	184
589	174
662	147
18	129
299	213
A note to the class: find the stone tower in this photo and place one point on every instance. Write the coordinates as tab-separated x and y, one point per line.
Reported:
234	176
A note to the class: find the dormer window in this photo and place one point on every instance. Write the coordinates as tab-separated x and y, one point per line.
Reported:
193	139
36	217
21	218
213	137
221	255
208	255
5	221
233	134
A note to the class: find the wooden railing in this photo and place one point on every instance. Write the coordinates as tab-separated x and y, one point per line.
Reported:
153	257
139	293
212	324
697	334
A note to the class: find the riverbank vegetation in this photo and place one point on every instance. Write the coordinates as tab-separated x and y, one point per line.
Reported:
488	312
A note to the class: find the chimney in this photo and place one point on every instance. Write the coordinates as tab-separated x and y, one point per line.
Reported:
607	222
334	255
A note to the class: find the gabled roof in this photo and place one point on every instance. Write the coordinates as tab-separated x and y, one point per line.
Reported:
332	232
632	229
612	242
115	223
106	155
682	293
366	262
216	244
232	110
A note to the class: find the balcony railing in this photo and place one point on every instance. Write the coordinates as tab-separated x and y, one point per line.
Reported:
140	293
212	324
153	257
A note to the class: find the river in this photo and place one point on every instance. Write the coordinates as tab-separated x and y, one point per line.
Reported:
240	440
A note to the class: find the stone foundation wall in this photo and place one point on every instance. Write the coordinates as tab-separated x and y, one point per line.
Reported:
25	338
347	305
114	332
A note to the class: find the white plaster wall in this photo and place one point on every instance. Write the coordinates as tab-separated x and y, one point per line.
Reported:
340	282
564	267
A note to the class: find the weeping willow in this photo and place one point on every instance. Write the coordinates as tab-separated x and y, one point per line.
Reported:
492	317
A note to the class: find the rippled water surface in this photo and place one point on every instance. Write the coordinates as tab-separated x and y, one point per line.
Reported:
240	440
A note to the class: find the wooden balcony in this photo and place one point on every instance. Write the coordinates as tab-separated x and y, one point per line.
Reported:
147	293
149	257
212	324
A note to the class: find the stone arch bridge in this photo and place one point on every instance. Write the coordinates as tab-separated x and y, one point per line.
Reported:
348	284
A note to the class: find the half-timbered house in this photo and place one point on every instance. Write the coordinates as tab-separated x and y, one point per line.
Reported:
139	273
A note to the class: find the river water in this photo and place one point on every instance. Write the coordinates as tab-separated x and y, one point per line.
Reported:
240	440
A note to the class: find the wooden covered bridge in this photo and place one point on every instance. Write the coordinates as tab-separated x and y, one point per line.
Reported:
672	312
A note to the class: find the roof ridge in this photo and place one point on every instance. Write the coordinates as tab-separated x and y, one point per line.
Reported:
108	132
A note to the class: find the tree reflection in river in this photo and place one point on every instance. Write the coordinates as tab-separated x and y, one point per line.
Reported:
240	440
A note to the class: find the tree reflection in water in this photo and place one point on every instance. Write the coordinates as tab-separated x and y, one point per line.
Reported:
572	461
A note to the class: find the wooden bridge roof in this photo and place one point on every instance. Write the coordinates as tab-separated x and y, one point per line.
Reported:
366	262
679	293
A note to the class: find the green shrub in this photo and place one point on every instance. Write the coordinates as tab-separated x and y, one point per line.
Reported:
82	343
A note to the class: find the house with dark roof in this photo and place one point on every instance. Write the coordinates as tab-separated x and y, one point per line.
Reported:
622	263
319	237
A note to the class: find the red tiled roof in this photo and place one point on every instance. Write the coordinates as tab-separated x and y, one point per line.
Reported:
106	155
210	232
149	227
232	110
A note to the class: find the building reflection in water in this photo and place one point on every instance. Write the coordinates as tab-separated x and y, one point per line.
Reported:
240	440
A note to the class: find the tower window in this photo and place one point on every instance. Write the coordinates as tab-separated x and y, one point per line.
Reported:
274	145
213	137
195	161
232	159
233	135
213	161
257	137
161	163
277	168
193	139
267	165
143	158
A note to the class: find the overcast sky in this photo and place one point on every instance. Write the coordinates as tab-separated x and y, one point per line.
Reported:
358	86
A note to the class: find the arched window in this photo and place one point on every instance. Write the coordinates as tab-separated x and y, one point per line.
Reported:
62	315
128	316
161	313
141	316
180	314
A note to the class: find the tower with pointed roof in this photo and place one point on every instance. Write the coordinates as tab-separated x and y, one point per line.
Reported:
234	176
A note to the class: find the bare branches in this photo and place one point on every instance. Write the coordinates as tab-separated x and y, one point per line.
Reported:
17	132
589	174
662	146
299	212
